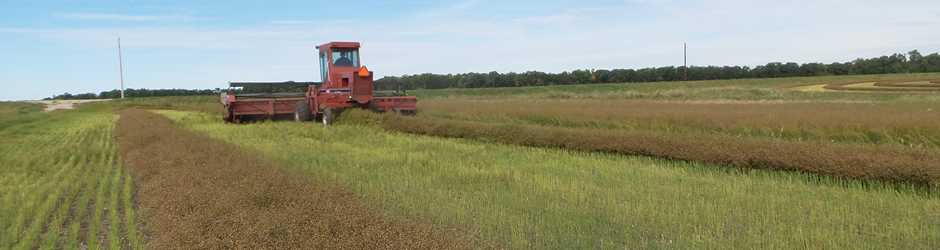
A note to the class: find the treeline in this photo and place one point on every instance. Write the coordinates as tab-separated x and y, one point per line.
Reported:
115	94
912	62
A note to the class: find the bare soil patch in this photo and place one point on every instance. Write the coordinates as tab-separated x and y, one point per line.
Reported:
201	193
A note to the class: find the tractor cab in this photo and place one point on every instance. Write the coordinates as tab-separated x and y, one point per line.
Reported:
342	72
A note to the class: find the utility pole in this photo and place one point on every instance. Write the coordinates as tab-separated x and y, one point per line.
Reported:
121	65
685	66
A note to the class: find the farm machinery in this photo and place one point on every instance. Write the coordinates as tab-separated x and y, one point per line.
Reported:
344	83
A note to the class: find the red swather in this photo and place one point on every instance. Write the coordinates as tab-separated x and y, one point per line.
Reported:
345	83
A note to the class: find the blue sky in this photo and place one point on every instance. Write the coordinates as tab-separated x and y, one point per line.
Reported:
52	47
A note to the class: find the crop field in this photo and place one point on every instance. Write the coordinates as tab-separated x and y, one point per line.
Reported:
780	89
532	197
206	194
916	85
885	141
62	185
13	113
754	163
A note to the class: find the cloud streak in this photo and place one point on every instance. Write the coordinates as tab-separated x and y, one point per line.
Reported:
115	17
171	51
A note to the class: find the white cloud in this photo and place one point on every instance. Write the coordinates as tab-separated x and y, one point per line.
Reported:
449	11
464	38
648	1
287	22
180	38
566	18
114	17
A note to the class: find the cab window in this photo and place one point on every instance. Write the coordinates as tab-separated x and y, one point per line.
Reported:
345	58
324	66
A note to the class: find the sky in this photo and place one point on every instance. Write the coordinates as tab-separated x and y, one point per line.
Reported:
52	47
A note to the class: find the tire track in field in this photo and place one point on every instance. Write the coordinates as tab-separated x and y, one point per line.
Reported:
202	193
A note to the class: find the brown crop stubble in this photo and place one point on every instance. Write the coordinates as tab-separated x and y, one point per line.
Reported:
202	193
878	162
932	83
888	86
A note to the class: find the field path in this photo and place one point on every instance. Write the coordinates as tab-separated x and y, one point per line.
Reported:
196	192
50	105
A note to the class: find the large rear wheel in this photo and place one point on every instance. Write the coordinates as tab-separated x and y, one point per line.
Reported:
302	111
328	116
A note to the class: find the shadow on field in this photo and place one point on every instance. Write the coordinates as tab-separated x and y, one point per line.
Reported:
200	193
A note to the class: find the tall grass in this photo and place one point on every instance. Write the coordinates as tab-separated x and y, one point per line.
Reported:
529	197
51	169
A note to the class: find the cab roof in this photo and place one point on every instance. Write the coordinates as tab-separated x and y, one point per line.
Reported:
344	45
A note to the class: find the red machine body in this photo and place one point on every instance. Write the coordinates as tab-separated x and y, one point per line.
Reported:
345	83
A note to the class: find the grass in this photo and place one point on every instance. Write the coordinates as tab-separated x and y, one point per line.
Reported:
14	113
51	169
524	197
211	104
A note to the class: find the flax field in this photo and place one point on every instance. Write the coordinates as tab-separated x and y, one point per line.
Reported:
812	162
62	185
537	197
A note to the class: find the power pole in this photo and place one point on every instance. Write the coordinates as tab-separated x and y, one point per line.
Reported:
685	66
121	65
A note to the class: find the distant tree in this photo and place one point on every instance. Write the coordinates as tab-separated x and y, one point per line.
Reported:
915	61
813	69
912	62
931	63
580	76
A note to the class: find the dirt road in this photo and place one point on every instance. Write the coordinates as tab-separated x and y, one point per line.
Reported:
51	105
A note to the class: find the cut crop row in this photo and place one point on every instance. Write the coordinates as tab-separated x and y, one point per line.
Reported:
877	162
546	198
890	86
908	124
932	83
203	193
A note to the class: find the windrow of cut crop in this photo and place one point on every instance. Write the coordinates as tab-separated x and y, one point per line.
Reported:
932	83
202	193
910	124
874	162
890	86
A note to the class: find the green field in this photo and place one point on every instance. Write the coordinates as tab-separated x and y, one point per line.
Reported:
536	198
747	163
62	184
739	89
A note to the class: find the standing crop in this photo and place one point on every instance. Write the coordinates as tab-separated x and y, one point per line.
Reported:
540	198
60	180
